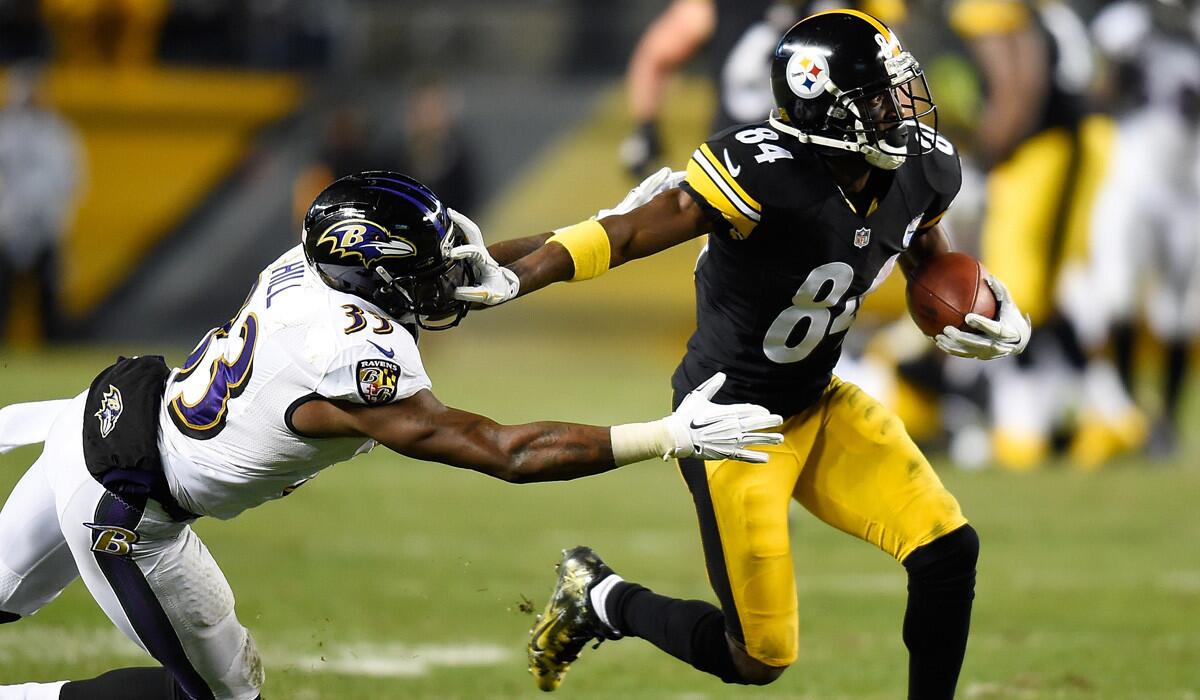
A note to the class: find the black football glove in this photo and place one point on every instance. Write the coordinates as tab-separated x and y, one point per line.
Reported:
641	150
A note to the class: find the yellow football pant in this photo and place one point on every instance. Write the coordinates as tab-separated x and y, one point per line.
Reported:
1039	205
849	461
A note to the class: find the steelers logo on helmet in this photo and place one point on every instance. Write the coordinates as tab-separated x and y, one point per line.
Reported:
807	74
364	239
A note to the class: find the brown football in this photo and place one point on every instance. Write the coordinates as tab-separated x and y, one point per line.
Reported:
947	287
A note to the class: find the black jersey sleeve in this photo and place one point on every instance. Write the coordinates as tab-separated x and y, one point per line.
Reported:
727	176
943	173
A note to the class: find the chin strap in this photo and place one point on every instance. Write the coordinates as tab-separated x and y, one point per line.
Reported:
873	155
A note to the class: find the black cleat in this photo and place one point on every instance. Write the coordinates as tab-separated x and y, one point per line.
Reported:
568	623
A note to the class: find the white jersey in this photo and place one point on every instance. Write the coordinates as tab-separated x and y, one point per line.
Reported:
225	425
1166	61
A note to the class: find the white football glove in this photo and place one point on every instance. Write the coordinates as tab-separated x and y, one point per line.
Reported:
1007	335
646	190
720	431
496	284
469	228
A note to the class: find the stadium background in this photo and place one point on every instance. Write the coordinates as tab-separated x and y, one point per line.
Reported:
205	126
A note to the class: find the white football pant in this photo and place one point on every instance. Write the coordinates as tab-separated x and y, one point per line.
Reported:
152	576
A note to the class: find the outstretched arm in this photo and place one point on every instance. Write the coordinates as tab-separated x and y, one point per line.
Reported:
420	426
670	41
423	427
1012	54
665	221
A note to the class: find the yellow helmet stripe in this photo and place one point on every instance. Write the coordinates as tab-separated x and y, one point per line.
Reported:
879	26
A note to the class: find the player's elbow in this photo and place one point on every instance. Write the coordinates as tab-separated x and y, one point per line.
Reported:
758	674
512	473
512	464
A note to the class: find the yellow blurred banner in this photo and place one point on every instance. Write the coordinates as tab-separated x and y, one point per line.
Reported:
155	141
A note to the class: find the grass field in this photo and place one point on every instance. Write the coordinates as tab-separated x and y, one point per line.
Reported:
388	578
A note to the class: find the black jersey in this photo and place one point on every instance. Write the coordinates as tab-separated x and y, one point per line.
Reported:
782	277
734	19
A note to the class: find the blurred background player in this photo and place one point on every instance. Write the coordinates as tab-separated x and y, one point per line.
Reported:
1145	247
739	37
1045	150
40	172
423	135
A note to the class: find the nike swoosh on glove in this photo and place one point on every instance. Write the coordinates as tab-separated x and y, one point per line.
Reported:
720	431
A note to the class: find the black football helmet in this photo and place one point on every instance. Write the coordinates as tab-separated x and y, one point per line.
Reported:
386	238
842	81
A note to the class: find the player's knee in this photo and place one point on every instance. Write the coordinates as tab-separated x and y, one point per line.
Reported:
751	671
947	561
17	600
246	677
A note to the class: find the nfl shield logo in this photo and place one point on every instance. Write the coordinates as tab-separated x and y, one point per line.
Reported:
862	237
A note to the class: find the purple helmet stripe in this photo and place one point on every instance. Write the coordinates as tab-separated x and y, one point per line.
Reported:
412	185
434	216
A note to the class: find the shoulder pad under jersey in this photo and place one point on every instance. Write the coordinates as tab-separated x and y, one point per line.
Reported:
746	169
942	168
364	357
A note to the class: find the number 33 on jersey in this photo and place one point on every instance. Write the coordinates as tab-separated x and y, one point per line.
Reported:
791	257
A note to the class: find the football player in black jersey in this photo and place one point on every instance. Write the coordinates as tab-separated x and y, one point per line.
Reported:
806	213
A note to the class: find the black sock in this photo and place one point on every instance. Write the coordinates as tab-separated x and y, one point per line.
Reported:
1122	345
1174	375
1072	347
126	684
692	631
941	586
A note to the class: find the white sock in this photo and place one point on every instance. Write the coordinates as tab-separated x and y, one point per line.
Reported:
1103	392
31	691
598	597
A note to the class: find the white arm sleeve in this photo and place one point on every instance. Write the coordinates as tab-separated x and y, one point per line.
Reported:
27	423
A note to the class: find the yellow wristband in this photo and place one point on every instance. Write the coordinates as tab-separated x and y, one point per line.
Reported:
588	245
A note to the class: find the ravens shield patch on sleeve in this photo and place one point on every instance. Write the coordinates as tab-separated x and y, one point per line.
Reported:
377	380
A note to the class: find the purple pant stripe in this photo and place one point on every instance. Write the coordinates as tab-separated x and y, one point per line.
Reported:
141	606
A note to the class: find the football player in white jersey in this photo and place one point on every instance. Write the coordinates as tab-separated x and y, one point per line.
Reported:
318	365
1145	246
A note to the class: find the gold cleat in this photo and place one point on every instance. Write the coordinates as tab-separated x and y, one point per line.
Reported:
568	622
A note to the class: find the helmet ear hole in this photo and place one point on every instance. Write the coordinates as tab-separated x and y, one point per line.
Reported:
814	112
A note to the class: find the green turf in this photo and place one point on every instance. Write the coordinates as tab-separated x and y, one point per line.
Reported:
1089	585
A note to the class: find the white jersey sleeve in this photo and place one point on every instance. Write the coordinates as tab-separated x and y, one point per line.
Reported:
374	370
